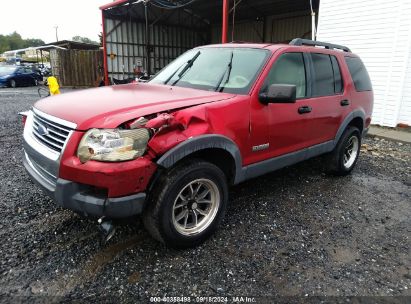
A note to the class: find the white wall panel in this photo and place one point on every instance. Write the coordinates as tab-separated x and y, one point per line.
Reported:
405	109
379	31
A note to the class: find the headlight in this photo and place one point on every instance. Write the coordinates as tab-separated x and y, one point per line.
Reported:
113	145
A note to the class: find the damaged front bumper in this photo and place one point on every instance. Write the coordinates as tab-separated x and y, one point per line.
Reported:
112	190
85	199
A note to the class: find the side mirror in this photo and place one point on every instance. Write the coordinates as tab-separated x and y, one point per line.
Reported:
279	93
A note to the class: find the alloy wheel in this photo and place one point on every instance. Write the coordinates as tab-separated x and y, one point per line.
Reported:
350	151
196	206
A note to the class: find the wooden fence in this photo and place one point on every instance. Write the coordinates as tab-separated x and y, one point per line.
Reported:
77	68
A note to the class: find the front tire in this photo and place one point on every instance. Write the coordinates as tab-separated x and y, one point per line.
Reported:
342	160
187	204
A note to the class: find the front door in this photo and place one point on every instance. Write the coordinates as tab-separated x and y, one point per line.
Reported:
282	126
288	121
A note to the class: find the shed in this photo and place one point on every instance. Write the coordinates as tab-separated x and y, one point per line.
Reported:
73	45
75	64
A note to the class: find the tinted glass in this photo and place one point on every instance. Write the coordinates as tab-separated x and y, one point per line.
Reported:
231	70
359	74
289	69
338	84
324	75
6	70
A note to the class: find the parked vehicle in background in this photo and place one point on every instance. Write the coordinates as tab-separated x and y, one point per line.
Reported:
14	76
40	68
170	148
45	70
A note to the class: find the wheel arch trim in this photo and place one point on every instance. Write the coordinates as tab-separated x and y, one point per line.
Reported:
199	143
347	120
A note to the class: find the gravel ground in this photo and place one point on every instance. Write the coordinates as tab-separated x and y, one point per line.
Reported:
295	232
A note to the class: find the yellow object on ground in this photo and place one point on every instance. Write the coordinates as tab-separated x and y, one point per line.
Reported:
53	85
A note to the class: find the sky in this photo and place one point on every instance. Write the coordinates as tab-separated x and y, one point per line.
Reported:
37	19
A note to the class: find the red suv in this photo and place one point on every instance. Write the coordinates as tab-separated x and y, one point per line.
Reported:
216	116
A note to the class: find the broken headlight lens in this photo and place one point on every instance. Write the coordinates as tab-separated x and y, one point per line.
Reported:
113	145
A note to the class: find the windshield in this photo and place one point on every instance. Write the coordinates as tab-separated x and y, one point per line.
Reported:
230	70
6	70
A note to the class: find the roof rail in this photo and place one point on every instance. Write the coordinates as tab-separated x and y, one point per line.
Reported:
330	46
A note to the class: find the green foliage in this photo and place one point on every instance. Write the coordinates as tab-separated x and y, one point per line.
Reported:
84	40
31	42
14	41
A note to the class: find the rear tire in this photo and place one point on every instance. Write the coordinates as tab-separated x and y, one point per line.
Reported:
342	160
13	83
187	204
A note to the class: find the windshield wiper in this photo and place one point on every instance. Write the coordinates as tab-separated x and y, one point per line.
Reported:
186	65
229	67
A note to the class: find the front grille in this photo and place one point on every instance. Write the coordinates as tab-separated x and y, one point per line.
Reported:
51	134
50	178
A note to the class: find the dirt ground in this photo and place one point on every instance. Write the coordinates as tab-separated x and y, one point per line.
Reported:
294	233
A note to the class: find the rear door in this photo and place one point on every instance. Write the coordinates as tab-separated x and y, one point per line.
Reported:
20	77
330	102
28	72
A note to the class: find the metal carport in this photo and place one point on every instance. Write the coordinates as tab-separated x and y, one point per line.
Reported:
146	35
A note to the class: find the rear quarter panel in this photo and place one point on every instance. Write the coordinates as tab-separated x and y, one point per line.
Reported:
362	101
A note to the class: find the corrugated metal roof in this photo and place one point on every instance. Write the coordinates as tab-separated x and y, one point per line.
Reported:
211	10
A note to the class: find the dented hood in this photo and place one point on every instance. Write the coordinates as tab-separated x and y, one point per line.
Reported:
108	107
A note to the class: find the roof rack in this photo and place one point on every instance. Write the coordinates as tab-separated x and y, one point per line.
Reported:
330	46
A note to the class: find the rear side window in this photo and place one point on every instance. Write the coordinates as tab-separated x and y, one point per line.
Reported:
359	74
289	69
338	84
324	75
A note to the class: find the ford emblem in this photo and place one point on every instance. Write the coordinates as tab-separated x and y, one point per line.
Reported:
42	130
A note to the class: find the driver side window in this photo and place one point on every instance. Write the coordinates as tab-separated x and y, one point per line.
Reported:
289	69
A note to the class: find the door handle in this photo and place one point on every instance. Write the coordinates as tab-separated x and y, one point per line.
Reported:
304	109
344	102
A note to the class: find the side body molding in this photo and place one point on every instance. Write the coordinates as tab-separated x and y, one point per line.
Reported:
208	141
199	143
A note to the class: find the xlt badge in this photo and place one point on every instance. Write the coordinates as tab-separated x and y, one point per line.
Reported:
261	147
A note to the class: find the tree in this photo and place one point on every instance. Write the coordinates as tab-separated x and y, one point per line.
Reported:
4	44
84	40
14	41
32	42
